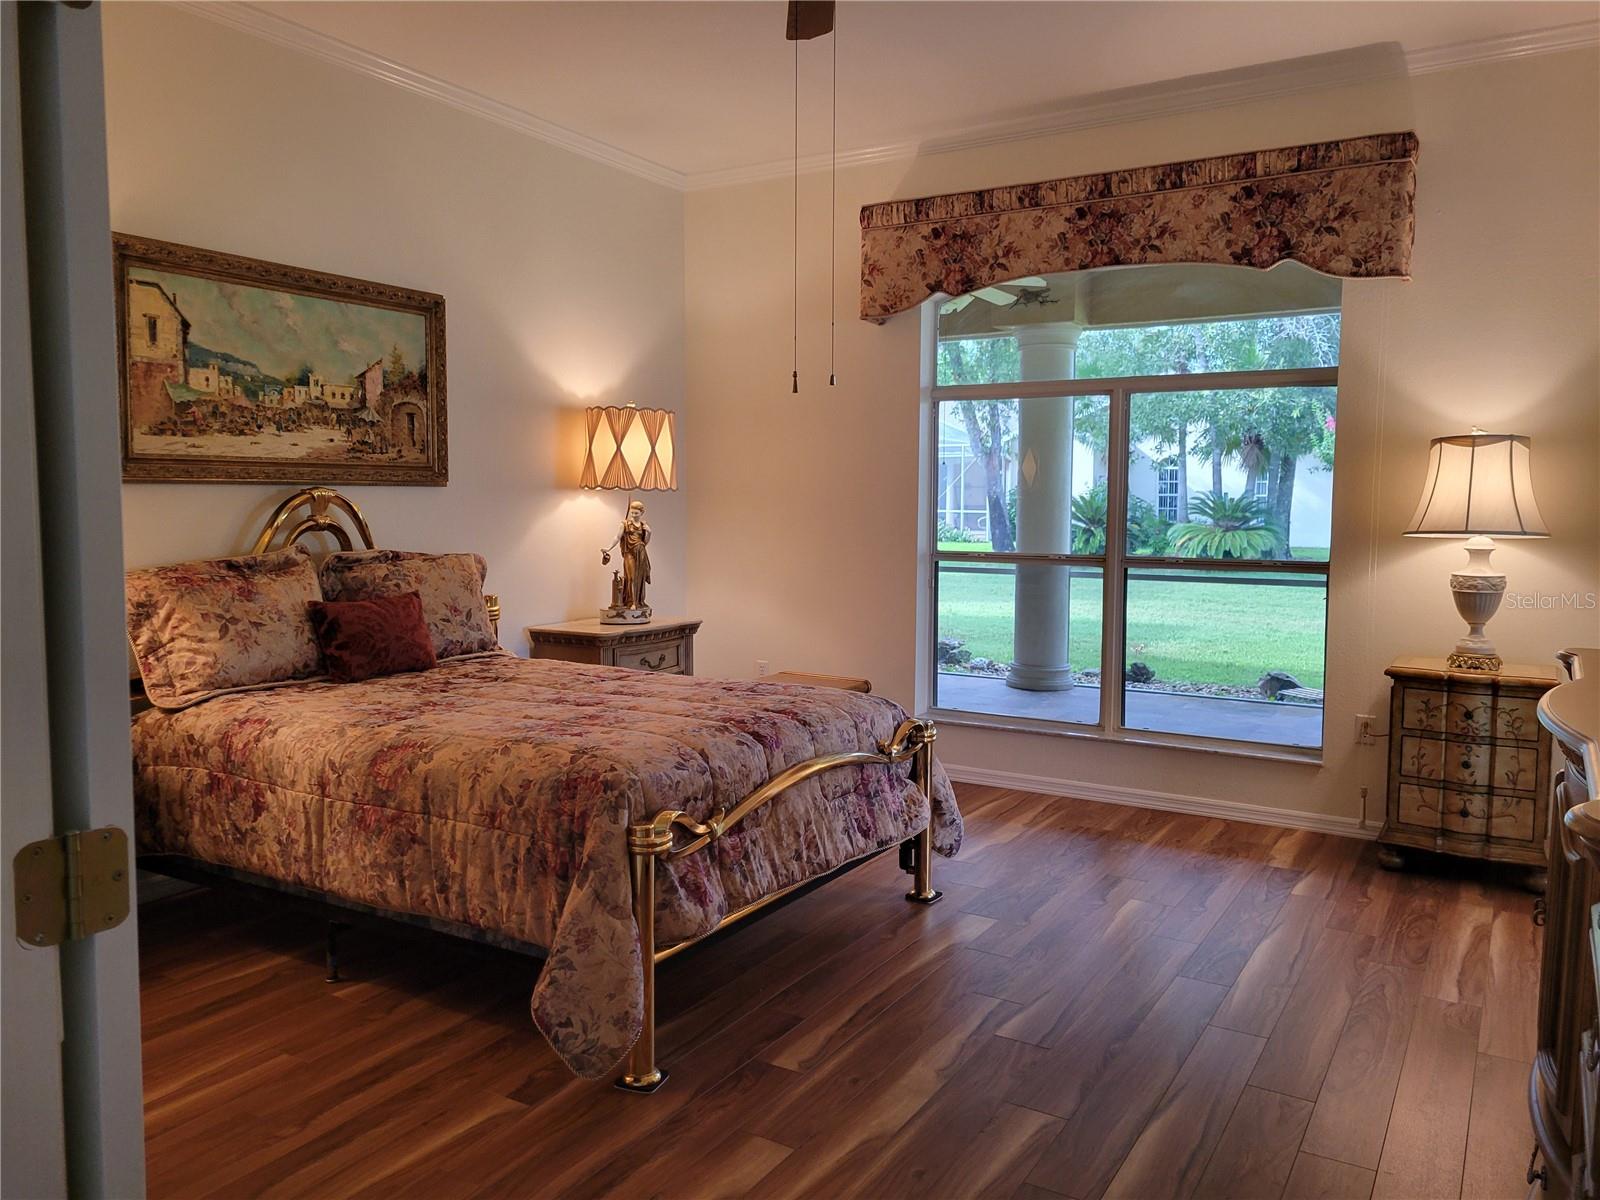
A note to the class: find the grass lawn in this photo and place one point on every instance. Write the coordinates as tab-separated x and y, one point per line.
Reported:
1309	553
1202	632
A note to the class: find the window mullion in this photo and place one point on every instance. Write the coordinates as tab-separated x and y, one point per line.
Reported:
1114	581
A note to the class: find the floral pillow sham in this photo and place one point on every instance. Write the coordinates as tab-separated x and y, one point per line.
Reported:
199	629
449	585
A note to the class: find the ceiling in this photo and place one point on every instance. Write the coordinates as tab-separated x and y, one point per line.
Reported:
697	89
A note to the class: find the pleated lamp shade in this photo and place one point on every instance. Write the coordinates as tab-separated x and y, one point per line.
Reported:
632	449
1478	483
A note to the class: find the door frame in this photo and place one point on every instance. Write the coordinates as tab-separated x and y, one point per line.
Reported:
71	580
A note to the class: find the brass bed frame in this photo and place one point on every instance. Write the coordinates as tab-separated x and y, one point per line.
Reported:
666	837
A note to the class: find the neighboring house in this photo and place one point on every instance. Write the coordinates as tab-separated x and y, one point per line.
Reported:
158	340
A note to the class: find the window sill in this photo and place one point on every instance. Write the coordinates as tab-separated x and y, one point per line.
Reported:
1285	754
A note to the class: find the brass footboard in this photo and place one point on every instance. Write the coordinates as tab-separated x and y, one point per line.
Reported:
656	839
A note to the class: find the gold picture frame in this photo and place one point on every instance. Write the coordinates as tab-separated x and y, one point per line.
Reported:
238	370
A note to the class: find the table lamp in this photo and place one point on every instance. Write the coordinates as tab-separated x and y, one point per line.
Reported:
1479	487
629	449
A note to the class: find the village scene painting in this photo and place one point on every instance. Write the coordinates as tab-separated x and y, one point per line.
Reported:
233	375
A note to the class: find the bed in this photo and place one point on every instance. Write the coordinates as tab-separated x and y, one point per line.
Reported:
601	818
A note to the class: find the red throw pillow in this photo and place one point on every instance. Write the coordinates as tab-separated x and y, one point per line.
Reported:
363	638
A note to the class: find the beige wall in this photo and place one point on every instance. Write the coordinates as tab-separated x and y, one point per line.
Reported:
803	511
563	281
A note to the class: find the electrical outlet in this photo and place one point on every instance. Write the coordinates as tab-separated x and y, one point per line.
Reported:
1366	731
761	667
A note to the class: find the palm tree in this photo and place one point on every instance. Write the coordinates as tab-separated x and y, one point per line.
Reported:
1227	527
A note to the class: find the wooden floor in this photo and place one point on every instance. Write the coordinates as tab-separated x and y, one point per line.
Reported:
1109	1002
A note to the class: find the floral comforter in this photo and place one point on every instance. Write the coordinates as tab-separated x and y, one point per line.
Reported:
496	792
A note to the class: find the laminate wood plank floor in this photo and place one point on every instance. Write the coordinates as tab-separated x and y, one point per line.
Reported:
1110	1002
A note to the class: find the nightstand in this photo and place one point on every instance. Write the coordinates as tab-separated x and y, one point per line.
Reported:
1469	763
665	644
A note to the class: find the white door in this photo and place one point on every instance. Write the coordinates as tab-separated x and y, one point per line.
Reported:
73	1117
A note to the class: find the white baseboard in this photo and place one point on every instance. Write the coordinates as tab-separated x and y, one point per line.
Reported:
1227	810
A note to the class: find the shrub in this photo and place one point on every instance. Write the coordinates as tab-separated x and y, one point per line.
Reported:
1147	530
1228	527
954	533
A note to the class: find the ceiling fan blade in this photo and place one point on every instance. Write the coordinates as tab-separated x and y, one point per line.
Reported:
1031	281
809	19
996	296
954	306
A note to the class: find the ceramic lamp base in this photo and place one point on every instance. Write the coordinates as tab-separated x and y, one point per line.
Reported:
1477	591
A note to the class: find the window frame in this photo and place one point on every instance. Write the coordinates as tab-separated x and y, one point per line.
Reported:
1115	563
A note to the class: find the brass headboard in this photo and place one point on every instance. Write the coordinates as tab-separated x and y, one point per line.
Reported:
320	501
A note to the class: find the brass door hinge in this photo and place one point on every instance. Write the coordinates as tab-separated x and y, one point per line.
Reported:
72	886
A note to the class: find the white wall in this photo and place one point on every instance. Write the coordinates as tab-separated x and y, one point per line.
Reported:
804	510
562	278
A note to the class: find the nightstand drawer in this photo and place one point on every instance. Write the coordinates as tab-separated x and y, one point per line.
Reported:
1429	808
666	657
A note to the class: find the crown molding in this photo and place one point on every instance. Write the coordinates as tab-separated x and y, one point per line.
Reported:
246	18
1222	89
1512	45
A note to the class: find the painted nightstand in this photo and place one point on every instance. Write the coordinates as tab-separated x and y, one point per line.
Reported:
1469	764
664	644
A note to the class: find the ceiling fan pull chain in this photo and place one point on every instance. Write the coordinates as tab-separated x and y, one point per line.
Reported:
833	223
794	375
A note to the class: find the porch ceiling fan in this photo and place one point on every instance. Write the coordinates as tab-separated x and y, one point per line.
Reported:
998	295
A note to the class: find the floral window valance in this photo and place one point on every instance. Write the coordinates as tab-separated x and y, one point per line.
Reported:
1345	208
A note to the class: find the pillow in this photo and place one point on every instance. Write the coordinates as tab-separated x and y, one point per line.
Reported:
199	629
363	638
450	586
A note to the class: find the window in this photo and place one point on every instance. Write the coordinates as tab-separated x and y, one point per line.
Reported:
1167	491
1133	518
152	328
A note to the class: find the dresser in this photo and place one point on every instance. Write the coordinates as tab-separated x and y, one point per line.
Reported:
1469	764
1566	1068
663	644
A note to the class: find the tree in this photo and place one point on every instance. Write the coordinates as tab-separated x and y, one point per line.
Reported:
397	364
1265	430
1291	423
990	425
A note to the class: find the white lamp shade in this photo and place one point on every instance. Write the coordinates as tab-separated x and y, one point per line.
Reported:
1478	484
632	449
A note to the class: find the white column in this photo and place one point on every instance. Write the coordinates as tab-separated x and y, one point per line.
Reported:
1044	511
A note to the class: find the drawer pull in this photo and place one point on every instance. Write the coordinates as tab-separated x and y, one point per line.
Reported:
661	661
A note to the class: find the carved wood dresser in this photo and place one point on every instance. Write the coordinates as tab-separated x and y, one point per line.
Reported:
1469	763
1566	1070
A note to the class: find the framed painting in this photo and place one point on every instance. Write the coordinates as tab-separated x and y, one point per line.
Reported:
236	370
